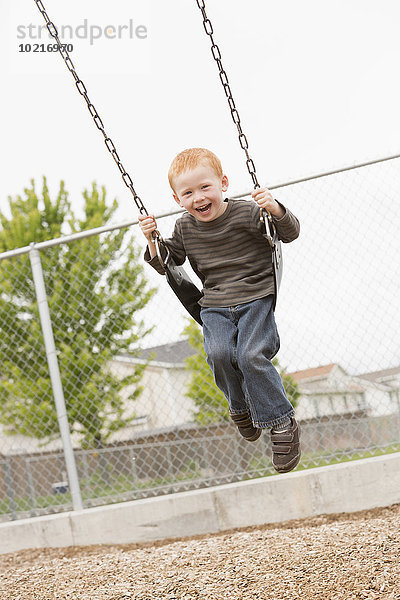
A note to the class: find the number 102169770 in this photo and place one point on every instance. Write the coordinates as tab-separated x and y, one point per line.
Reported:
44	47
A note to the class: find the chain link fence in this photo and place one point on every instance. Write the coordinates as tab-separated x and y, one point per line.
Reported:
100	401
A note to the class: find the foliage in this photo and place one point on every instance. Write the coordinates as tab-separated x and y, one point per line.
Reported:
95	287
210	403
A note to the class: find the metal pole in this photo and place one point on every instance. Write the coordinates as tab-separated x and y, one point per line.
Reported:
31	487
55	376
9	488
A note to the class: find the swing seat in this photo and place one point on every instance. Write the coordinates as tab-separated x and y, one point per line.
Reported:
276	248
179	281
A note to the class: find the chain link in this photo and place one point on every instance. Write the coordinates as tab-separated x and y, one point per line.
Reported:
216	53
52	29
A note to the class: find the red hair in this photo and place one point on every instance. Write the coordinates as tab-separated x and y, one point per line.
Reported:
192	158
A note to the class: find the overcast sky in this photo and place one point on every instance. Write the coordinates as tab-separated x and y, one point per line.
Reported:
315	82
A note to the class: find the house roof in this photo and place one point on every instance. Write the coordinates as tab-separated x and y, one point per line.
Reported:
314	372
379	375
173	353
328	379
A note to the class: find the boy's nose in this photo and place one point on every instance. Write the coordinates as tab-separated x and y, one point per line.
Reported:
199	196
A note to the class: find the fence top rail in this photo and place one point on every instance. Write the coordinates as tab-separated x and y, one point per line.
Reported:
124	225
66	239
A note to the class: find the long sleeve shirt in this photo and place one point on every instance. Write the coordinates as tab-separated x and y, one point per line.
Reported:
230	255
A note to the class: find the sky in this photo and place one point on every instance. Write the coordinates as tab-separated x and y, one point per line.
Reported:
315	83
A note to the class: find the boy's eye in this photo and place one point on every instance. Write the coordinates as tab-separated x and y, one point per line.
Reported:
187	193
206	185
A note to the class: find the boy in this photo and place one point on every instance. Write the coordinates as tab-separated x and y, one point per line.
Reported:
223	241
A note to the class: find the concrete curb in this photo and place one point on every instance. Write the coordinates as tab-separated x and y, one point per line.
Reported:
346	487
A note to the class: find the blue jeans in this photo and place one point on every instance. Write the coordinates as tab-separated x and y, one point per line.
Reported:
240	342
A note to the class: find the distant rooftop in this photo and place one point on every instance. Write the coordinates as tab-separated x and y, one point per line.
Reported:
379	375
172	353
314	372
175	353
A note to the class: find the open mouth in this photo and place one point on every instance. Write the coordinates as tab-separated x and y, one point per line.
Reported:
204	209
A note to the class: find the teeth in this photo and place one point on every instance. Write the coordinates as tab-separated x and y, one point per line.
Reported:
203	208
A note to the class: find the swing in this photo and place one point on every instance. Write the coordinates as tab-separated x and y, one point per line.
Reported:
179	281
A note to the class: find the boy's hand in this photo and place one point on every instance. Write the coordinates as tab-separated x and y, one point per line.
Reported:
147	224
264	199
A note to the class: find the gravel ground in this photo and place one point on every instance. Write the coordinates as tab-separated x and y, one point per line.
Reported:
347	556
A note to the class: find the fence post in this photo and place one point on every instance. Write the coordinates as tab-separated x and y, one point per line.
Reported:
55	377
31	487
9	488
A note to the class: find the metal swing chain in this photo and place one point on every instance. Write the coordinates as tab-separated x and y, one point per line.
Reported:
208	28
216	53
83	92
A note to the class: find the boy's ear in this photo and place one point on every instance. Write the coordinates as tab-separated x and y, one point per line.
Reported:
225	183
177	199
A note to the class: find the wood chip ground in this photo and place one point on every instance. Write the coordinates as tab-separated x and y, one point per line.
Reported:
339	557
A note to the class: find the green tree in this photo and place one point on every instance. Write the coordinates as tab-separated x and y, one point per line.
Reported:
95	287
210	403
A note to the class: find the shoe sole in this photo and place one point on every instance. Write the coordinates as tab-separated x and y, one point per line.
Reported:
290	466
254	437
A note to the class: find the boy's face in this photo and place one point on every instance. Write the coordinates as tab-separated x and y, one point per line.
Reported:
199	191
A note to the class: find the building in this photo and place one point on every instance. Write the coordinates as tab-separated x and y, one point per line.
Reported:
329	390
163	402
325	390
389	381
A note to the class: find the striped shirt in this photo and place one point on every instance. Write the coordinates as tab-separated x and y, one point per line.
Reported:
230	255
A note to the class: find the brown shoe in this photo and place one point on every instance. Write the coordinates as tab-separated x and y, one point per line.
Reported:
286	448
246	427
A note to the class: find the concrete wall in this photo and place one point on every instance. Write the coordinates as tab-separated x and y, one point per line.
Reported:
346	487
